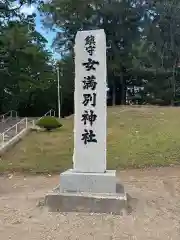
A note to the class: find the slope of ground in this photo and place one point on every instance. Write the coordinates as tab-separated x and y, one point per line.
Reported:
137	137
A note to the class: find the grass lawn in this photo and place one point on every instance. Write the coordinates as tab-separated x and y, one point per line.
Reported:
137	138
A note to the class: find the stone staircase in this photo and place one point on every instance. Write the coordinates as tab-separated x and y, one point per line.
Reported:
11	128
8	123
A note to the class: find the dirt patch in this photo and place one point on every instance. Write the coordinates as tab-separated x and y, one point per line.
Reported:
154	210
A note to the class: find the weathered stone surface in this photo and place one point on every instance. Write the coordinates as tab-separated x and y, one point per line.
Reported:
86	202
71	181
90	157
89	187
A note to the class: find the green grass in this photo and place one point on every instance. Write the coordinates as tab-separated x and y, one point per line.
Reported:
137	138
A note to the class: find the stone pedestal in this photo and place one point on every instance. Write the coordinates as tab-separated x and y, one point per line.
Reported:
88	192
86	202
72	181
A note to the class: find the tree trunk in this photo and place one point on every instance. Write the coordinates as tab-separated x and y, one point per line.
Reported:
114	93
1	100
122	89
174	84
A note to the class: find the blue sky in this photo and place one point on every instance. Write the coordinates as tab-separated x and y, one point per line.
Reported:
49	35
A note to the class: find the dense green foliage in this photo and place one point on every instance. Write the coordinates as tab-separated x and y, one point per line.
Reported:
26	67
49	123
142	42
143	52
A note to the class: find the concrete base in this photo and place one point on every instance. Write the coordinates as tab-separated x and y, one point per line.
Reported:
85	202
87	192
75	182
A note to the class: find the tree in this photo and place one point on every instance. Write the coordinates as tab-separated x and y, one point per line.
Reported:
26	66
66	65
119	19
162	47
142	40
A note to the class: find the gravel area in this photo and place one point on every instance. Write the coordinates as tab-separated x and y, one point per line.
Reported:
154	210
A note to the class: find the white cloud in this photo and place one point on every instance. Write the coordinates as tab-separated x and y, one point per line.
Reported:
28	9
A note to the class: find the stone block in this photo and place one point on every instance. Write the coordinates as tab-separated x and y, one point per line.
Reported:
90	156
71	181
86	202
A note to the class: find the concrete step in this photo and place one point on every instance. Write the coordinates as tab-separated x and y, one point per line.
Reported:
9	123
4	126
9	134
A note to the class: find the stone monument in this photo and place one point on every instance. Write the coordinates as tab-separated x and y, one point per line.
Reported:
89	186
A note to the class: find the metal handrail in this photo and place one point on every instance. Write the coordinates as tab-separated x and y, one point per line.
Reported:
3	116
51	112
7	113
14	126
3	135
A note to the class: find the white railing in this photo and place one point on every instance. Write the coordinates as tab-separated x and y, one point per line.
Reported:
51	113
13	131
8	115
